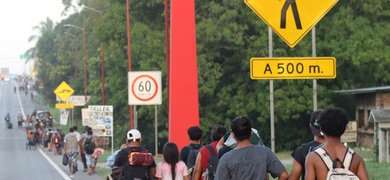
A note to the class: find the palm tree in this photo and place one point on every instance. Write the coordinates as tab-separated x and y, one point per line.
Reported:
44	27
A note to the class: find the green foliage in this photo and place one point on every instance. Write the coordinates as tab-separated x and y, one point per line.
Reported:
228	35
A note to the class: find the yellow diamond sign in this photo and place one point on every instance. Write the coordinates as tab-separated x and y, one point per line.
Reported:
63	91
291	19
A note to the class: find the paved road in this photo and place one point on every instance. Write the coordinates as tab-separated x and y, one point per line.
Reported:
17	162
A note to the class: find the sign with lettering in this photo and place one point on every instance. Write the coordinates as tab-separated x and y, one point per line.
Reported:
145	87
100	119
293	68
77	100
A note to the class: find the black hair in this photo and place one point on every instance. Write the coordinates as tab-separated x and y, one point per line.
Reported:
75	128
171	156
71	129
333	121
195	133
242	128
89	132
218	132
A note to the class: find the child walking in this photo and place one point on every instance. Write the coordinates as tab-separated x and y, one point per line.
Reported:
171	168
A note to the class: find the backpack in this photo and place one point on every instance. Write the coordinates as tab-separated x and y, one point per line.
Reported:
137	166
191	158
212	163
335	173
89	146
56	140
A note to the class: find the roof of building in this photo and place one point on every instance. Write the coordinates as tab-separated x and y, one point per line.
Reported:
379	115
364	90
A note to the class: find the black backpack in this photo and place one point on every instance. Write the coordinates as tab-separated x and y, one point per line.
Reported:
212	163
89	146
191	158
135	172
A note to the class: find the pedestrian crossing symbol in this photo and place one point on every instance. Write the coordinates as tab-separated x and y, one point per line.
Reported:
291	19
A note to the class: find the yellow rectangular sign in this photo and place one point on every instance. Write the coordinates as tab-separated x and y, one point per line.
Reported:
293	68
64	106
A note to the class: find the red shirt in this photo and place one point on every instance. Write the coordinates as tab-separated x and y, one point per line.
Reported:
205	154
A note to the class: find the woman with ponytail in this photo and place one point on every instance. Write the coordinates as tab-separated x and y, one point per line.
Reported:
171	168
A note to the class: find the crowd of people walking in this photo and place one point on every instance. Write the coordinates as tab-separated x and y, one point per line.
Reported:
239	153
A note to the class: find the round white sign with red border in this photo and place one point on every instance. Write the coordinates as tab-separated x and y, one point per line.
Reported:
144	87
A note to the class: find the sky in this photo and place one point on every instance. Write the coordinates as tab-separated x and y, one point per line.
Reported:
17	18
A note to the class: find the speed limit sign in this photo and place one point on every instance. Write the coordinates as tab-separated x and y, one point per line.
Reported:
144	87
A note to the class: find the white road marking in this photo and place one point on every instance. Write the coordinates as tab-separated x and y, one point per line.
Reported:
62	173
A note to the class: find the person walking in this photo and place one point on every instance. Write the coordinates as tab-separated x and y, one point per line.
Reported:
71	149
80	142
189	153
171	168
89	145
28	125
333	122
201	163
134	141
248	161
7	119
82	155
19	117
56	141
300	153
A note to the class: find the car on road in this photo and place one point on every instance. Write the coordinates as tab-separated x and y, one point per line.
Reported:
46	117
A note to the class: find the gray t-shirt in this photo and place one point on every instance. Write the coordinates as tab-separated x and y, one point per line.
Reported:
252	162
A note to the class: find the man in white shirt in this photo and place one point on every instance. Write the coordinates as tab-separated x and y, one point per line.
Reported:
79	140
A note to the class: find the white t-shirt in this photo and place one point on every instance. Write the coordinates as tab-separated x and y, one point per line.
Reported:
78	136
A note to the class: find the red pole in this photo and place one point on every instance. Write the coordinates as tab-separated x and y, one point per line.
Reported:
167	43
129	57
103	91
85	65
76	68
183	90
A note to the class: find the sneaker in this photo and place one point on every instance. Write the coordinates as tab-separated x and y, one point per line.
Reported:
85	170
71	176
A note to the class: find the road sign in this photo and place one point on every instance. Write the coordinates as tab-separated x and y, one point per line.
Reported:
291	19
293	68
350	134
100	119
77	100
64	116
145	88
64	106
24	56
63	91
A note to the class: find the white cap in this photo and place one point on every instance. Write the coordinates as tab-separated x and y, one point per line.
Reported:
133	135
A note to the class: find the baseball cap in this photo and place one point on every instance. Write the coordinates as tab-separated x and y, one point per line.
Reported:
133	135
315	128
